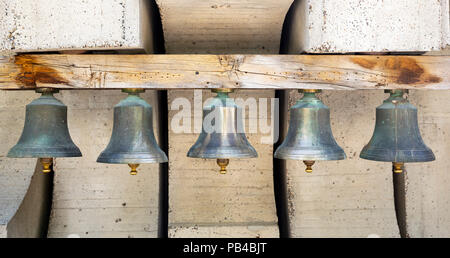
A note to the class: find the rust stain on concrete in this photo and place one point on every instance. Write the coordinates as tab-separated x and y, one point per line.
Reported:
33	72
400	70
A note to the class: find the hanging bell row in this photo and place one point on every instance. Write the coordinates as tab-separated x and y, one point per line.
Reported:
46	134
396	137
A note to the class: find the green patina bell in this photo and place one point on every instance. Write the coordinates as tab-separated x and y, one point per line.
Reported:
309	135
224	138
396	137
133	141
45	134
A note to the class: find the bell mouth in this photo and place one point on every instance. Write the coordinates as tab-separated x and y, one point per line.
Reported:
35	152
222	153
401	156
131	161
309	154
156	156
247	156
118	159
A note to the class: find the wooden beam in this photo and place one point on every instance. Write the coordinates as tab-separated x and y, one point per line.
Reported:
338	72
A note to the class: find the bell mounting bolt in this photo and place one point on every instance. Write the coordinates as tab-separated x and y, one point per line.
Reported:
46	90
223	90
399	91
309	91
133	90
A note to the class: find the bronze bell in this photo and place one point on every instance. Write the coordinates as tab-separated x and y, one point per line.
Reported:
309	135
132	141
45	134
226	138
397	137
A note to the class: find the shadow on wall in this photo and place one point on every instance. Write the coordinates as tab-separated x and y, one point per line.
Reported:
32	218
279	165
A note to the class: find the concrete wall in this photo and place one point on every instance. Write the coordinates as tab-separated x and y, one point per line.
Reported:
427	191
31	219
2	231
15	173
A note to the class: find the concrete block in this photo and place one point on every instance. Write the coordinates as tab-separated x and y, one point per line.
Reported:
204	203
223	27
56	25
227	231
348	198
368	26
15	176
102	200
21	188
427	192
2	231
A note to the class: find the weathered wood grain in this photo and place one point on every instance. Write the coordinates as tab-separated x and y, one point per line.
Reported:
345	72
